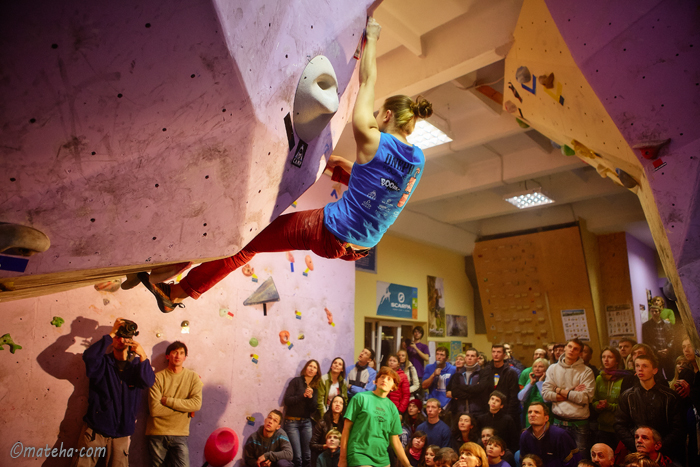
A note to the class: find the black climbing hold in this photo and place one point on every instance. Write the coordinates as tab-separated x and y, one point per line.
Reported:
92	220
119	95
54	46
192	75
165	129
32	120
148	25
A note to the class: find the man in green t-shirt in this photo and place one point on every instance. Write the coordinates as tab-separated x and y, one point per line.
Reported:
372	422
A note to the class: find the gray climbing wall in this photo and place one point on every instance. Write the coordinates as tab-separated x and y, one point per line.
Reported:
138	133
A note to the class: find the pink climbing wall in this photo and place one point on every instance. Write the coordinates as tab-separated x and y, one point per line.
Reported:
642	59
145	132
43	387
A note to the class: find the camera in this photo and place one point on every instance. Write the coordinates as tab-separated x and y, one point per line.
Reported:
128	329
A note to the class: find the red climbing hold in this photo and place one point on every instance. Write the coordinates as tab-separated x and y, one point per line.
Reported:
650	149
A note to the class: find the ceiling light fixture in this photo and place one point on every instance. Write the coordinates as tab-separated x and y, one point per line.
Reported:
529	199
425	135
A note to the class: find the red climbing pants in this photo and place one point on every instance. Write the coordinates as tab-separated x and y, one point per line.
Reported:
303	230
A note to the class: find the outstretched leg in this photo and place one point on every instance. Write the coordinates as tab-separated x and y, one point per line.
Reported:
298	231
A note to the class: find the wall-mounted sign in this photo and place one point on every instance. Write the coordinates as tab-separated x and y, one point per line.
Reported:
575	324
396	300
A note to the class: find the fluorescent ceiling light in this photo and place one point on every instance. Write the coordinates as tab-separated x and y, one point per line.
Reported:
426	135
529	199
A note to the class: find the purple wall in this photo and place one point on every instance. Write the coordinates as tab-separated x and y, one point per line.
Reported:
144	132
642	58
643	277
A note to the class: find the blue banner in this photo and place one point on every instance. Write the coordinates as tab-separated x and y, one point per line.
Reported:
396	300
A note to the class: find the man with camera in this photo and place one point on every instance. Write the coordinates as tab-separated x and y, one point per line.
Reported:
116	381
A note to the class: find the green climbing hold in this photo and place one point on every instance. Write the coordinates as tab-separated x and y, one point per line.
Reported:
253	342
522	124
567	151
57	321
6	339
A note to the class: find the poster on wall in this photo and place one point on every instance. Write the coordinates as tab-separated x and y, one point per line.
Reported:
396	300
620	320
575	324
457	326
436	307
455	349
368	263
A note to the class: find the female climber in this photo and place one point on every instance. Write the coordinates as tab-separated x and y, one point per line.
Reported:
385	173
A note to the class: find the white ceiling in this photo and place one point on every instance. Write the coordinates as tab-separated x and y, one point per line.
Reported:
443	53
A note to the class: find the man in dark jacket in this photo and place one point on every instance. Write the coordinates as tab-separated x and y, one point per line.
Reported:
658	334
649	404
498	375
116	382
269	446
552	444
468	390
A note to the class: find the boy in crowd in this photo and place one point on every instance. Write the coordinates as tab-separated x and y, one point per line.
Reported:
331	455
372	423
505	379
625	345
269	446
650	404
495	449
570	387
488	433
500	420
437	431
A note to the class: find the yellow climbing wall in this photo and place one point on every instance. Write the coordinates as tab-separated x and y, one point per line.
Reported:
570	110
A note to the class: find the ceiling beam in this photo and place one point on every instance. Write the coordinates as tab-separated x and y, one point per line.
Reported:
396	28
562	188
488	173
450	51
423	229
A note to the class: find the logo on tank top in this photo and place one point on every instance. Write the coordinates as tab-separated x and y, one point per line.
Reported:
367	204
390	184
402	166
372	195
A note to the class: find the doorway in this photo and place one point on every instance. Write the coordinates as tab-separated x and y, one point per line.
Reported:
385	337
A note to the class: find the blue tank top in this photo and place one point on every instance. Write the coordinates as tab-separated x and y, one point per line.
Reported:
376	194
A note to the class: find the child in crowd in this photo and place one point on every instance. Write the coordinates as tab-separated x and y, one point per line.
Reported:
445	457
415	451
331	455
486	434
495	450
531	460
499	419
430	453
